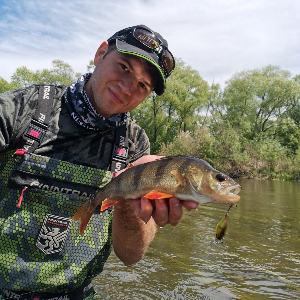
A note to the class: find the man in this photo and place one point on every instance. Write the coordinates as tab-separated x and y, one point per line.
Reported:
69	141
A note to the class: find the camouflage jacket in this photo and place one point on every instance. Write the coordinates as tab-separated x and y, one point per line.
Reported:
40	247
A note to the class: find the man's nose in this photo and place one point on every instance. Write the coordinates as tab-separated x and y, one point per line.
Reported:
128	84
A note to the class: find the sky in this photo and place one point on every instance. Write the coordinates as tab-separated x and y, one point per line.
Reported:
218	38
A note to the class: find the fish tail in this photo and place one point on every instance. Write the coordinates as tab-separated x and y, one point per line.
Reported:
84	214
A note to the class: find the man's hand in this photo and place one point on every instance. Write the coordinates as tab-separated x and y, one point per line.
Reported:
163	211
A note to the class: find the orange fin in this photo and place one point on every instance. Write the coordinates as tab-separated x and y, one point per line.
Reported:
179	177
83	214
157	195
108	203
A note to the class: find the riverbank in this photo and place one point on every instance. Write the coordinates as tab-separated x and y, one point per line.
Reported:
236	156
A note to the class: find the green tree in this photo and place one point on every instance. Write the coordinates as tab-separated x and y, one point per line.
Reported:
213	111
297	78
60	73
256	100
177	110
5	86
288	134
249	129
23	77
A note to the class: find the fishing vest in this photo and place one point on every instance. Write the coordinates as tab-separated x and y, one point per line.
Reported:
40	246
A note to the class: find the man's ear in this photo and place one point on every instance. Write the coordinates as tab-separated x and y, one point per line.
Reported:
100	53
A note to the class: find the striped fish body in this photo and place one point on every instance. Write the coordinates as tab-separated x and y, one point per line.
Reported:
184	177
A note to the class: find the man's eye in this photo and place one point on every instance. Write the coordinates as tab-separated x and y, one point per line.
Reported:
124	68
142	85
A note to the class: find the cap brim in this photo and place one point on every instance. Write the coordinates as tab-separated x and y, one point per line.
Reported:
123	47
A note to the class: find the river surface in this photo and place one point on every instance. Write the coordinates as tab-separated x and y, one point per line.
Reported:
259	259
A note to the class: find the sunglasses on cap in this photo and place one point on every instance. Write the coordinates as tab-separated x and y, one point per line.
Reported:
146	39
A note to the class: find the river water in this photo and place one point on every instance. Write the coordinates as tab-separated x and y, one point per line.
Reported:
259	259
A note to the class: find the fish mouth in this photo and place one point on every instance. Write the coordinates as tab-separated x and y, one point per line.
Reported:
219	193
230	193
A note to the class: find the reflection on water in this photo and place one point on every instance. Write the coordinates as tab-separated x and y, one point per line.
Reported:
259	259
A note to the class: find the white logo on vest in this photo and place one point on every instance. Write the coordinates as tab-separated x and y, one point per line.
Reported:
53	234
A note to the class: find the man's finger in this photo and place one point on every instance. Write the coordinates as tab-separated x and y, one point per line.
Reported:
146	209
175	213
189	204
161	212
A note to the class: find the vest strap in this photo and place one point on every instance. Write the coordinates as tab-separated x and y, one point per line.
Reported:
36	130
120	149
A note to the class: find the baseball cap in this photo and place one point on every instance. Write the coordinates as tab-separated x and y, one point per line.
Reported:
141	41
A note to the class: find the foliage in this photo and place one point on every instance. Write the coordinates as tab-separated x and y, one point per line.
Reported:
223	149
5	86
61	73
251	128
199	144
288	135
257	100
178	109
227	151
297	78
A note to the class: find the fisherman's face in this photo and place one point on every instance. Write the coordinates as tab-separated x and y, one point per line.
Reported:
120	82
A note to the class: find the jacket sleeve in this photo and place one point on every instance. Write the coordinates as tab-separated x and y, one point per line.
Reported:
16	111
139	144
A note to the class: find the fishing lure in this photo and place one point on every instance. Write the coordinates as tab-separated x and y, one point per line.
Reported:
221	227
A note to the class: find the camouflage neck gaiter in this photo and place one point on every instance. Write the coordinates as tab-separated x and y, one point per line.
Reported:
83	112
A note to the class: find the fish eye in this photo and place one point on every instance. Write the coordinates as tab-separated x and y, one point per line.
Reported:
220	177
